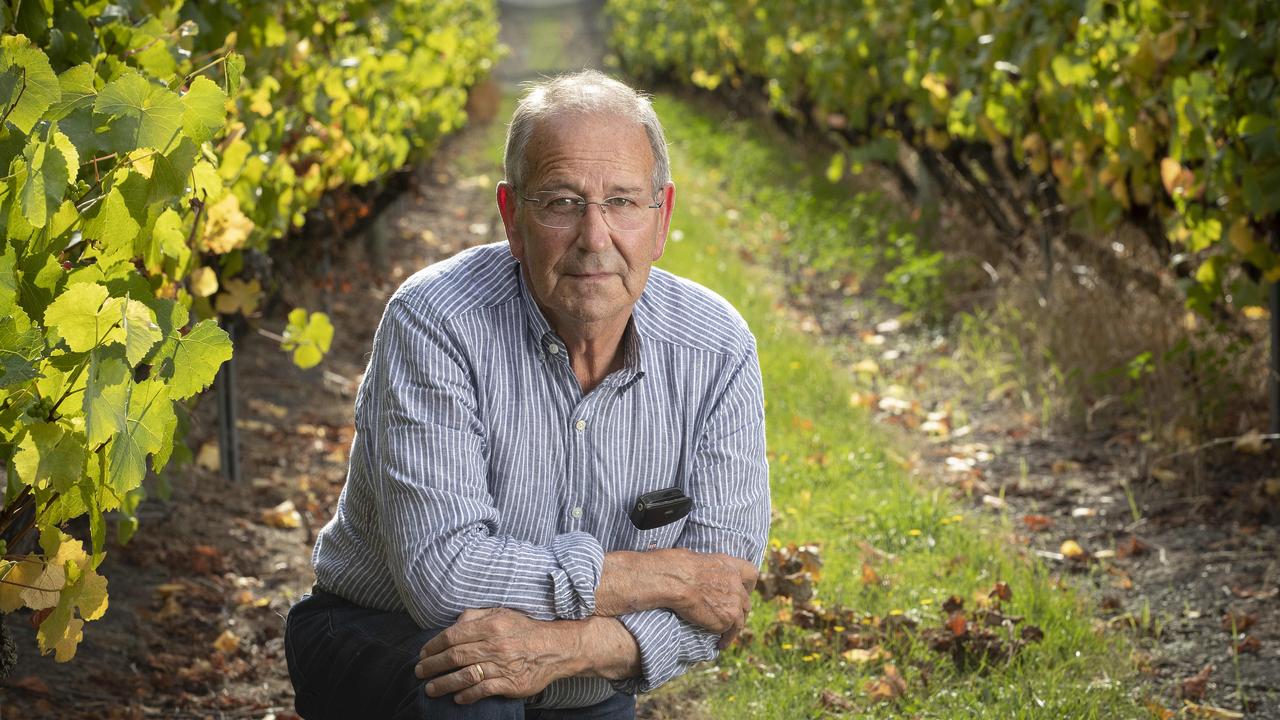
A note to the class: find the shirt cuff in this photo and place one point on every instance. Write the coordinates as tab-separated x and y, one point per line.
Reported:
580	561
668	646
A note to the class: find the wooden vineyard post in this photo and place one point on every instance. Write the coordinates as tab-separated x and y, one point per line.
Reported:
228	433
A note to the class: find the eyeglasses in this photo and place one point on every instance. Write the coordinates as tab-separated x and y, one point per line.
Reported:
565	211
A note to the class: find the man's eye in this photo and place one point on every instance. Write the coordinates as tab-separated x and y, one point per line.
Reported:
620	202
562	202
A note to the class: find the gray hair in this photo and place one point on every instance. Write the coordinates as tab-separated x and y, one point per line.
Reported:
587	92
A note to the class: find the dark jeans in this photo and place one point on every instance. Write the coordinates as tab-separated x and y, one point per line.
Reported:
347	661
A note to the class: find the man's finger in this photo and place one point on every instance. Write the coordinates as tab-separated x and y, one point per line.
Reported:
468	676
488	688
460	633
449	659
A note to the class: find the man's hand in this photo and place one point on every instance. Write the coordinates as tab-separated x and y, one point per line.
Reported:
710	590
495	651
502	652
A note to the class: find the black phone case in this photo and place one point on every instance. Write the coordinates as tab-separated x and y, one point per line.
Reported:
661	507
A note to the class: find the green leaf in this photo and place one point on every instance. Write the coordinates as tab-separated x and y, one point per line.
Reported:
83	315
77	89
19	352
112	225
308	337
104	396
197	357
170	171
146	424
45	182
204	109
138	324
233	67
146	115
169	236
27	83
50	455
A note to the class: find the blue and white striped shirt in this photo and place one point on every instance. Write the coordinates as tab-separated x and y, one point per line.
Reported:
481	476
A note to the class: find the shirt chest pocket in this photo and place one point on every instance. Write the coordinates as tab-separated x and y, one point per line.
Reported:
633	538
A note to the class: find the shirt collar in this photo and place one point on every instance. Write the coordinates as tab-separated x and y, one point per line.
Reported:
543	338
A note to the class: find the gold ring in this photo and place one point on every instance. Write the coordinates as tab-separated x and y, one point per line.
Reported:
480	670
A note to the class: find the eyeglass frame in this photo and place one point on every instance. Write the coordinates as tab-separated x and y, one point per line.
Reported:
582	204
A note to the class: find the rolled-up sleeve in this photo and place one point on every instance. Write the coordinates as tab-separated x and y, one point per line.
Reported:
437	522
729	483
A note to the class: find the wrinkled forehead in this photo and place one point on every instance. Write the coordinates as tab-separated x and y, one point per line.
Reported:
568	139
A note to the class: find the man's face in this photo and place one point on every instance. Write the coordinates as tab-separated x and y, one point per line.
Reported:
590	273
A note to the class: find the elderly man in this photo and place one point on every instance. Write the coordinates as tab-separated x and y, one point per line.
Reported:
487	558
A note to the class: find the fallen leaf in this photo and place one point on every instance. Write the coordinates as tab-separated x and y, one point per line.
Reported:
1037	523
1250	442
834	701
869	575
284	515
228	642
1001	590
1250	644
1132	547
1193	688
1209	711
208	456
1071	550
889	687
1237	621
31	684
1158	711
863	656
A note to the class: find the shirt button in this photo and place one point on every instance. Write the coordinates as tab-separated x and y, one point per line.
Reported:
576	513
553	348
580	425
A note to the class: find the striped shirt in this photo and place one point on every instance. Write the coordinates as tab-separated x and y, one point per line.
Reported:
481	476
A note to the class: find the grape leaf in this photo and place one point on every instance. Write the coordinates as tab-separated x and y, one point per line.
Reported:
78	90
27	83
197	357
45	181
168	237
204	110
50	455
19	352
138	323
105	393
146	115
60	634
233	67
308	337
113	225
144	423
83	315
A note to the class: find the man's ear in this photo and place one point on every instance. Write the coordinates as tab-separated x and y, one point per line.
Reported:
506	196
664	226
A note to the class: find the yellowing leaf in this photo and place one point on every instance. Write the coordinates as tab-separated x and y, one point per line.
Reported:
1251	443
238	296
225	227
284	516
227	643
1071	550
204	282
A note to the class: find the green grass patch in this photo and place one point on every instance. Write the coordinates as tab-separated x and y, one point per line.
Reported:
836	478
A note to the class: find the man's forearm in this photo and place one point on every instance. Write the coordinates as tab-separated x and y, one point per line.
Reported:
634	581
606	648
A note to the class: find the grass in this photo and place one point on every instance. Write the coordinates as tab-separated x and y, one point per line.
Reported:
837	479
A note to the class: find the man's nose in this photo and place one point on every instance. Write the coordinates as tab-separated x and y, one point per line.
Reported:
593	230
